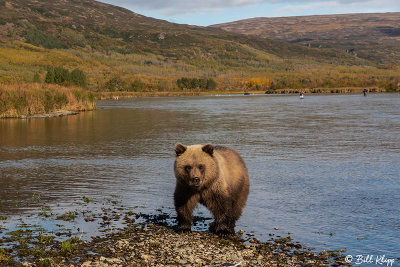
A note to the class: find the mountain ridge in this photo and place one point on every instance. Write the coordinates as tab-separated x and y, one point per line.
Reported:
372	36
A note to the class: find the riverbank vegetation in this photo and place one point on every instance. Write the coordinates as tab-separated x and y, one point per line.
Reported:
28	71
113	72
29	99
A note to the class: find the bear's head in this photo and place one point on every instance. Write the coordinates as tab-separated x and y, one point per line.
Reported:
195	165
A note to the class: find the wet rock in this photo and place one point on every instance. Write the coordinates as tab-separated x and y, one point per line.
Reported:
89	219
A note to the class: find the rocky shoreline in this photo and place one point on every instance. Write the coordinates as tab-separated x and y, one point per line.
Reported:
58	113
152	245
149	244
106	233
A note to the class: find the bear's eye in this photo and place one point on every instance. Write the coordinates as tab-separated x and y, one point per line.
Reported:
188	168
201	167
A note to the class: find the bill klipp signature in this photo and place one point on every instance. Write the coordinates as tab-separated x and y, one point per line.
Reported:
370	259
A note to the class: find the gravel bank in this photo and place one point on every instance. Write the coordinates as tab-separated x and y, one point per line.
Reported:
144	240
153	245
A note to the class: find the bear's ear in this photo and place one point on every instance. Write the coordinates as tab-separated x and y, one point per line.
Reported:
180	149
209	149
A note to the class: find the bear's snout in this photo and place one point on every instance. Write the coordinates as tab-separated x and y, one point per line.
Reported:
196	180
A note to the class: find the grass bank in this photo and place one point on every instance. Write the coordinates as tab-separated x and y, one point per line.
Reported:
32	99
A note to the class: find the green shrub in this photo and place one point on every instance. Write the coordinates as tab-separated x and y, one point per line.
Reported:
211	84
36	78
136	85
62	76
115	83
39	38
91	97
78	77
194	83
50	75
60	99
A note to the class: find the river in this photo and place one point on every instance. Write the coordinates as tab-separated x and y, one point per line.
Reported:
325	169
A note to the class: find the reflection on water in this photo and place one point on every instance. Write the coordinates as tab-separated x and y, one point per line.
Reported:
325	169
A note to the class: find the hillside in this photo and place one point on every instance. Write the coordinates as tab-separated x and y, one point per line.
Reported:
104	27
374	37
120	50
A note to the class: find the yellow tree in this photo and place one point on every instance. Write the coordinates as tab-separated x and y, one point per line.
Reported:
253	83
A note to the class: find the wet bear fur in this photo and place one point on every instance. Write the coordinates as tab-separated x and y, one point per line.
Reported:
214	176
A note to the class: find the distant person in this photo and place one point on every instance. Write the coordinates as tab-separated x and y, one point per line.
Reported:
365	91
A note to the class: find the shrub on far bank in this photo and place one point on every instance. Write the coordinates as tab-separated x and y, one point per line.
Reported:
195	83
18	100
136	85
78	78
391	86
115	83
62	76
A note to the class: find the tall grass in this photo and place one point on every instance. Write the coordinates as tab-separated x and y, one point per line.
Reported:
23	99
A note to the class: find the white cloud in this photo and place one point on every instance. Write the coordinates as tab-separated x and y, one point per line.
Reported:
179	7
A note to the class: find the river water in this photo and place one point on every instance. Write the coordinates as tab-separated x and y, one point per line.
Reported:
325	169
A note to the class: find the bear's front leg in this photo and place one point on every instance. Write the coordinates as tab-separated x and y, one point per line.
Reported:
185	203
224	223
223	227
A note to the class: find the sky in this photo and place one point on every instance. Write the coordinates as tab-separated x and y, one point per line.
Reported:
209	12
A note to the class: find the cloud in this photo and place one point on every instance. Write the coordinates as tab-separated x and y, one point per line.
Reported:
179	7
184	7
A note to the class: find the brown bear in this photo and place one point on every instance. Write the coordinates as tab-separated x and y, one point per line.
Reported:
214	176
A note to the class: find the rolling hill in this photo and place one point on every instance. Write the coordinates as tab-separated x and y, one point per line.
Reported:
122	50
375	36
71	23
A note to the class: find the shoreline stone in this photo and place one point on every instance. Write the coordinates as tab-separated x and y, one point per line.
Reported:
58	113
